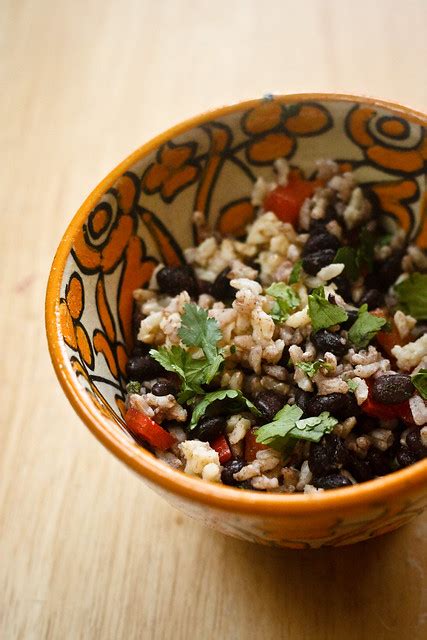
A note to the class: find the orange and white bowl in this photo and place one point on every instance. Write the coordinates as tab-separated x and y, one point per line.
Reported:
141	213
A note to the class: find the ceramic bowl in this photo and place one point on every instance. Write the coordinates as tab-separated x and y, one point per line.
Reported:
141	214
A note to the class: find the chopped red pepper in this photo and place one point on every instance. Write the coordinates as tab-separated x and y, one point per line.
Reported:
221	446
384	411
252	446
286	201
388	339
141	426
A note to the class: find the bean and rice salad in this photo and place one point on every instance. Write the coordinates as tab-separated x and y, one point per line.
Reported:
293	359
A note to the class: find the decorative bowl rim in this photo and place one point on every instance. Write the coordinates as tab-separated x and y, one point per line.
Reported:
141	461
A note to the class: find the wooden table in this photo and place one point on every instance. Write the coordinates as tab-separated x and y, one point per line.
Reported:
87	551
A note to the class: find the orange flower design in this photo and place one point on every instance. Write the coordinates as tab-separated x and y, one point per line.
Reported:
394	198
235	217
100	243
105	340
174	170
96	396
274	128
388	142
70	312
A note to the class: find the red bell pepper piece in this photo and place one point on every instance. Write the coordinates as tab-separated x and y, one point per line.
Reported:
388	339
384	411
252	446
221	446
286	201
141	426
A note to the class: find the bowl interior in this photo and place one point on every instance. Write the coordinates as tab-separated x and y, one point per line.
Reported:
142	214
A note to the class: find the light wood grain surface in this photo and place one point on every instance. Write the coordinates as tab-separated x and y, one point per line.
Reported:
87	551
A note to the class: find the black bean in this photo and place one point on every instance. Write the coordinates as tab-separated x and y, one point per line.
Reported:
208	429
320	240
373	298
164	388
325	340
229	469
328	455
359	469
302	398
141	349
316	261
340	405
173	280
392	389
143	368
204	286
415	444
334	481
387	272
269	403
405	457
343	287
221	288
378	461
246	484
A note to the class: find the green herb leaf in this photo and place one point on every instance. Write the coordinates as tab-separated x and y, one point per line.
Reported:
296	272
287	425
412	295
365	328
286	300
133	387
311	368
238	401
198	330
192	371
352	385
313	429
348	257
276	433
322	313
419	381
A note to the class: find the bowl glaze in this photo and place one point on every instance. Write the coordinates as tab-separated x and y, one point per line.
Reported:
141	214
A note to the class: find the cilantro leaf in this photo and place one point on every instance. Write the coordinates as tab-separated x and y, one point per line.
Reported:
238	401
287	425
192	371
324	314
133	387
419	381
357	259
198	330
365	328
348	257
311	368
352	385
313	429
276	433
296	272
412	295
286	300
